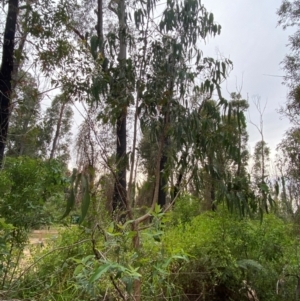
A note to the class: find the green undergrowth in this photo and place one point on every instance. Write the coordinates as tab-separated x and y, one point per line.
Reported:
229	255
210	256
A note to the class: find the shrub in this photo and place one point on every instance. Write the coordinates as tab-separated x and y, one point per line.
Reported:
228	253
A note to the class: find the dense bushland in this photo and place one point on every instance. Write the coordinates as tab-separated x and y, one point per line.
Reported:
166	203
183	256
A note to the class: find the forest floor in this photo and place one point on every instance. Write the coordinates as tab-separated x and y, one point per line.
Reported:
40	238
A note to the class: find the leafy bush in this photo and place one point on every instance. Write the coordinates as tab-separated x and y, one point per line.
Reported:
100	265
185	209
211	256
228	255
48	275
26	185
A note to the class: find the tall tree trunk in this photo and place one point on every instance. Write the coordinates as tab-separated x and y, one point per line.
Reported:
18	59
212	192
177	184
6	71
57	131
119	197
238	173
162	196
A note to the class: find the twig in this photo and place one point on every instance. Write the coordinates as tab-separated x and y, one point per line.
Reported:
117	288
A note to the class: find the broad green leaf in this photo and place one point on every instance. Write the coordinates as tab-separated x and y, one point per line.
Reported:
70	203
78	269
100	271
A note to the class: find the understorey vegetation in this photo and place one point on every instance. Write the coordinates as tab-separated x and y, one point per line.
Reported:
125	171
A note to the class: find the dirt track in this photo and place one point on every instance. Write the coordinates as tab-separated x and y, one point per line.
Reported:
39	237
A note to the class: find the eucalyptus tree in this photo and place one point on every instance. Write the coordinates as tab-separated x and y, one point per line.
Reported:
289	16
24	135
56	128
166	106
163	69
232	133
6	71
47	26
288	166
220	157
261	159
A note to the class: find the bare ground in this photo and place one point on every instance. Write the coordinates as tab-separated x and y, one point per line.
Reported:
40	238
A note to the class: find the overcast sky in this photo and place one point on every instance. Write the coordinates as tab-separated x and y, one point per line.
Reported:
251	38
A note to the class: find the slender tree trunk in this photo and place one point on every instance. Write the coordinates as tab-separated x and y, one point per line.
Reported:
18	60
212	191
213	195
179	176
164	158
119	197
6	71
162	196
238	173
57	131
177	184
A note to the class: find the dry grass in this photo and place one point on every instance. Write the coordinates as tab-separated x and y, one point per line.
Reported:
39	238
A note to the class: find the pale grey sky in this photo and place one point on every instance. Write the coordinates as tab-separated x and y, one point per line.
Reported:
251	38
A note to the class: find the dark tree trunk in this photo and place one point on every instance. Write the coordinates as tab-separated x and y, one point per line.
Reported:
162	196
18	59
99	26
6	72
176	188
177	184
119	197
212	184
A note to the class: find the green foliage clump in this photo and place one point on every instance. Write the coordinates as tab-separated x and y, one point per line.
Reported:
183	255
185	209
228	255
119	265
26	186
49	273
